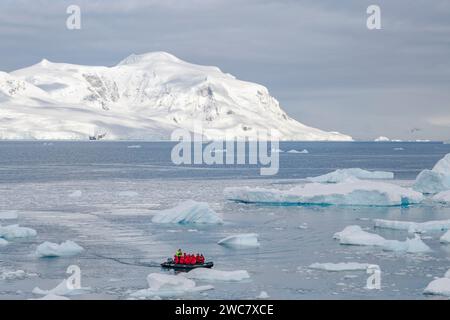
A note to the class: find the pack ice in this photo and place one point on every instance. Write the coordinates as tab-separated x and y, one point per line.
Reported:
167	285
245	240
15	231
354	235
217	275
65	249
350	193
439	286
188	212
341	175
435	180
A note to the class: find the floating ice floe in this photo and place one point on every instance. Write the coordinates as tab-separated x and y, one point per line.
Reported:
64	288
188	212
439	286
136	146
15	275
263	295
217	275
128	194
52	296
445	237
413	227
76	194
65	249
342	266
435	180
354	235
15	231
350	193
304	151
166	285
341	175
245	240
8	215
3	242
442	197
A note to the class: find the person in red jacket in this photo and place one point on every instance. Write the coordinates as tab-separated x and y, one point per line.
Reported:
193	260
202	259
197	258
175	259
183	259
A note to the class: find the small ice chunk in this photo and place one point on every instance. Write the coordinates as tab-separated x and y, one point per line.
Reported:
188	212
8	215
445	238
167	285
15	231
304	151
348	193
382	139
52	296
342	266
128	194
439	286
15	275
263	295
217	275
244	240
341	175
76	194
413	227
65	249
354	235
435	180
135	146
64	288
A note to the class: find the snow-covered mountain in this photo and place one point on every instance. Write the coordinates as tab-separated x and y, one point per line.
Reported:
143	97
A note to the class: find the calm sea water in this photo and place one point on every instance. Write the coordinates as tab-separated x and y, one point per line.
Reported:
121	187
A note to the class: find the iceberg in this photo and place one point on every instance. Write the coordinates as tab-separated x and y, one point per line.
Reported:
445	237
304	151
342	266
263	295
166	285
442	197
435	180
15	231
341	175
217	275
347	193
354	235
413	227
382	139
439	286
62	289
65	249
245	240
188	212
8	215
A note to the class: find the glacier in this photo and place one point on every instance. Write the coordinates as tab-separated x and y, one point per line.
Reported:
341	175
144	97
435	180
350	193
188	212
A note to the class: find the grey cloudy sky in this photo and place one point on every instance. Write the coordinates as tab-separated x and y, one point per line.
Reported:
316	57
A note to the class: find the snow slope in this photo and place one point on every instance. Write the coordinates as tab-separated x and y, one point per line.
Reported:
143	97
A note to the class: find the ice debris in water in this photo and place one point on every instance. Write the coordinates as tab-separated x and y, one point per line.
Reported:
217	275
342	266
167	285
413	227
15	231
435	180
188	212
341	175
245	240
76	194
349	193
65	249
64	288
354	235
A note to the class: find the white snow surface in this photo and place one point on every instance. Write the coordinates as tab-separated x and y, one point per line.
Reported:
144	97
188	212
167	285
439	286
244	240
354	235
350	192
341	266
341	175
15	231
217	275
445	237
412	227
65	249
435	180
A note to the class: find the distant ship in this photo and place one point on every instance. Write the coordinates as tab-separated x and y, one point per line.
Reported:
97	137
